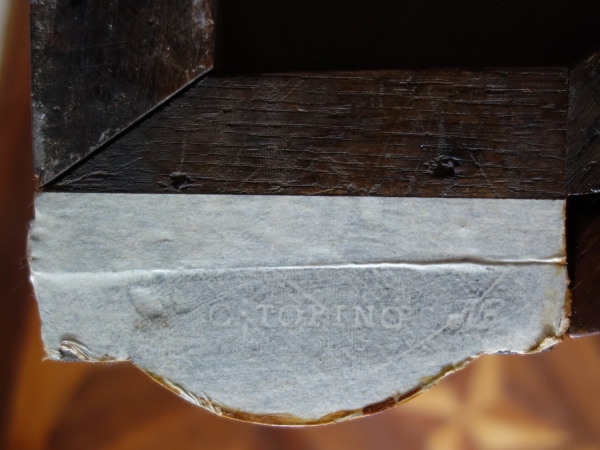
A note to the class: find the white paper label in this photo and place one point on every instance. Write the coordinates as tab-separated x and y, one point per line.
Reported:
302	306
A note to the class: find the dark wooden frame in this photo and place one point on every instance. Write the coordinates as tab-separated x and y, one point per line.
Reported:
124	102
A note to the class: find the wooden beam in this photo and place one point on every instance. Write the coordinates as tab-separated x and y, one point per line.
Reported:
98	66
583	130
432	133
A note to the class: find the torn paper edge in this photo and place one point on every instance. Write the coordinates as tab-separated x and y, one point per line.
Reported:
71	350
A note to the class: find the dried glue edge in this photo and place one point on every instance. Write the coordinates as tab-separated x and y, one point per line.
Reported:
71	350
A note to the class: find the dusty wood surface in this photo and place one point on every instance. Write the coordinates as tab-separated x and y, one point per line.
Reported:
583	246
498	133
98	66
583	130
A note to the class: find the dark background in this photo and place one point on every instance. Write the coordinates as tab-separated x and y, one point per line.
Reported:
544	401
282	35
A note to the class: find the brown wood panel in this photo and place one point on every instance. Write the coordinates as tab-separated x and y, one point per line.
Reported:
455	133
583	247
99	65
583	130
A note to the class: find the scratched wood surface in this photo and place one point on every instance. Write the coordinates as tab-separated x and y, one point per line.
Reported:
583	179
583	131
100	65
455	133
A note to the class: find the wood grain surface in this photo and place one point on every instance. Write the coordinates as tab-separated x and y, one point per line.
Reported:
433	133
583	130
583	179
100	65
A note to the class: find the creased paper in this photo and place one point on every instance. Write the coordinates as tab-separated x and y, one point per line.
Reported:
298	307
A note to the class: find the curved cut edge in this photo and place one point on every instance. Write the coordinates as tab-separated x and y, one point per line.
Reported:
71	350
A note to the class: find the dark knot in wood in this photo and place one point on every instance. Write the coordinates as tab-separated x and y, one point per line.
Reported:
443	166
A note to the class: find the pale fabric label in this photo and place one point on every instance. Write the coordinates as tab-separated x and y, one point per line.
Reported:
297	305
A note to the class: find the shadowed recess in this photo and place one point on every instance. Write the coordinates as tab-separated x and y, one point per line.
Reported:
98	66
431	133
274	35
583	247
